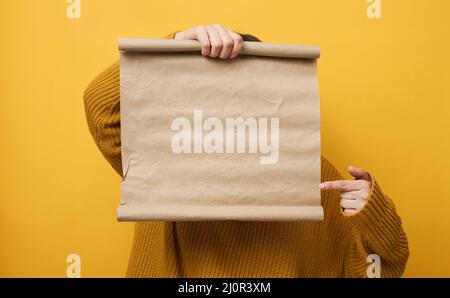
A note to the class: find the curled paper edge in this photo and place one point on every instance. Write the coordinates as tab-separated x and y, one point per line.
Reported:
249	48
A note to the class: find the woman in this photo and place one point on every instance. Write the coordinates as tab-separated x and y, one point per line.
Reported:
359	219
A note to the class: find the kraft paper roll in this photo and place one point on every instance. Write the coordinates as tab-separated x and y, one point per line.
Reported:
212	139
249	48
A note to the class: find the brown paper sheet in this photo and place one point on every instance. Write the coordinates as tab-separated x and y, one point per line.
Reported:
211	139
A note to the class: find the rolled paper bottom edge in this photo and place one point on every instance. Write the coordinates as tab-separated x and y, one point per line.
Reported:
209	213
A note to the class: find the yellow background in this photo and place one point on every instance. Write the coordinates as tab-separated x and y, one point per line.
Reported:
384	86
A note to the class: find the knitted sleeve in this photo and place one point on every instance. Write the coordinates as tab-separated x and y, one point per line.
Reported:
377	231
102	107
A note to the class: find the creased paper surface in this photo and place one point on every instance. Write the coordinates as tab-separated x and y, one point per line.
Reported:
166	85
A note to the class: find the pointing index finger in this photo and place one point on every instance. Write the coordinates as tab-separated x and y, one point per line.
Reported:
345	185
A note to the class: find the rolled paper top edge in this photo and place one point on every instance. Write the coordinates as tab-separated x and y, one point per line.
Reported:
249	48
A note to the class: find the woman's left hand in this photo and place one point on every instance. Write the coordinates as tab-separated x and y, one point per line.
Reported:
354	193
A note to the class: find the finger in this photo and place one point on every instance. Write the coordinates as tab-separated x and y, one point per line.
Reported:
237	44
358	173
350	195
227	42
179	35
350	204
187	34
202	36
350	212
345	185
214	39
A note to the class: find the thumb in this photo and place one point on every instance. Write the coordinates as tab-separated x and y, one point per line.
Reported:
359	173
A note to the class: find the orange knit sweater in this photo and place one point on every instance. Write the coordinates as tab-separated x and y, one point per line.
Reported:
336	247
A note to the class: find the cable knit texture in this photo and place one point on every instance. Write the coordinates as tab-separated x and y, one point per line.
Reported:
335	247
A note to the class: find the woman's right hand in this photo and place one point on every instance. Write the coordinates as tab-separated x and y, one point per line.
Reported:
215	40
